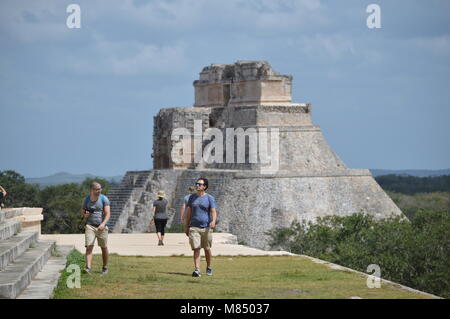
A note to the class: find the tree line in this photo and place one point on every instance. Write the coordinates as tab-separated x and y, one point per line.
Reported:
411	185
61	203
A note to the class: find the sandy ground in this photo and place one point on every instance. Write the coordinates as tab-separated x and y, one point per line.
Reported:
174	244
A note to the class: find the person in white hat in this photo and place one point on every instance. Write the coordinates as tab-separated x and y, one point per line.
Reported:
160	216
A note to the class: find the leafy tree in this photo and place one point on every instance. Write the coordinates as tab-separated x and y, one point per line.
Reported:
62	205
20	194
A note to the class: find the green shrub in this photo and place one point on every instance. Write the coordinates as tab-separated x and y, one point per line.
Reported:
415	253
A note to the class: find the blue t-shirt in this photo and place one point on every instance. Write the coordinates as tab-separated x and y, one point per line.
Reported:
186	198
96	209
200	209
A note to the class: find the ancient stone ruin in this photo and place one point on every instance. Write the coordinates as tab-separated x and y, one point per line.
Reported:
23	255
287	172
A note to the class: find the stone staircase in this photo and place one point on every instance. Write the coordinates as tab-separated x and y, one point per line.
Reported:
22	254
125	195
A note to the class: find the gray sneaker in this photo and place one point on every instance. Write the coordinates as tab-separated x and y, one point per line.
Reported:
104	270
208	271
196	273
87	271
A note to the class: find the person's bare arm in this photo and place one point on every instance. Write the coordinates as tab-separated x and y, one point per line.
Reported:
187	220
183	209
213	217
107	213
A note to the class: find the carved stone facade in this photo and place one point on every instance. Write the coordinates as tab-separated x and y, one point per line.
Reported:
242	83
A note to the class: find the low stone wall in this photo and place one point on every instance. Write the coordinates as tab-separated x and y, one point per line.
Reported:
30	217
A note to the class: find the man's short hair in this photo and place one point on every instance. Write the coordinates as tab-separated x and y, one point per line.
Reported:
205	181
94	184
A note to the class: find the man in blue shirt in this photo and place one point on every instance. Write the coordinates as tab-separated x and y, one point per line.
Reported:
200	220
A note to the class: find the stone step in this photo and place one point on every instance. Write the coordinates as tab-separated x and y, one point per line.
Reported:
9	213
125	189
121	191
117	207
18	275
43	285
116	212
9	228
12	248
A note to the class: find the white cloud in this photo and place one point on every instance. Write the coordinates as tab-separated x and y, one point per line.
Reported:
333	46
204	15
33	21
126	58
437	45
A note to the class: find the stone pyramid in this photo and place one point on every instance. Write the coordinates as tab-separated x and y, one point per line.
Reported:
266	162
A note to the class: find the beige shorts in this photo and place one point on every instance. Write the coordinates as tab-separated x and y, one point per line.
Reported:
200	237
91	233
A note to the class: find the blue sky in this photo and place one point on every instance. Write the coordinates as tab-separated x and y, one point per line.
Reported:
83	100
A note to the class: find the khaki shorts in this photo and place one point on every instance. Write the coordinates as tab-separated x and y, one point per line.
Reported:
200	237
91	233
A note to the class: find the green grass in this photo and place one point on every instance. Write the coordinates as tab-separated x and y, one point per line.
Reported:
234	277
